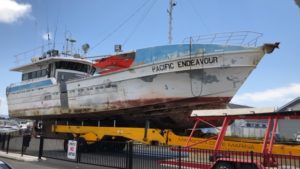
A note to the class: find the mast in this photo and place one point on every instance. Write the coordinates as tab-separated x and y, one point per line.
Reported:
172	3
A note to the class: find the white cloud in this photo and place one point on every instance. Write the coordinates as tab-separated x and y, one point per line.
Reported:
271	97
45	36
11	11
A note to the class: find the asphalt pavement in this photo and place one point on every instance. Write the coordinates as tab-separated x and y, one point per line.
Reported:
48	164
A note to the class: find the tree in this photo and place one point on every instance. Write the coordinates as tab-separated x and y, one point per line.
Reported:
298	2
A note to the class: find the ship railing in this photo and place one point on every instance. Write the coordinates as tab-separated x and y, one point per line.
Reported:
41	52
26	56
242	38
32	81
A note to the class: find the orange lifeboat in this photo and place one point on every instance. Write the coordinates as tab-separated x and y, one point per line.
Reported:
113	63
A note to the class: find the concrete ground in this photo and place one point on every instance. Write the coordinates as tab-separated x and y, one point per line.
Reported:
17	161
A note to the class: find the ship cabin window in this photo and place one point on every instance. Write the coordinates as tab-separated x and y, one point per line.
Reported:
39	73
63	72
44	72
74	66
34	74
25	76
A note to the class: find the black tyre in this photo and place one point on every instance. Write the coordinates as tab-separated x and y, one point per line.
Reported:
120	146
112	145
224	165
82	145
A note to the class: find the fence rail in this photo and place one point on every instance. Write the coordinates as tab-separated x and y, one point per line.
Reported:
131	155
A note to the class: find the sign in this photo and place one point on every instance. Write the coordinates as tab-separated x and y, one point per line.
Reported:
72	149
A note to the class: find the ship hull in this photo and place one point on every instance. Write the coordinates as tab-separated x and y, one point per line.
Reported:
163	92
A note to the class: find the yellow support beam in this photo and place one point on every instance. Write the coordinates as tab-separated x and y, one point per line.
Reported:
89	133
167	137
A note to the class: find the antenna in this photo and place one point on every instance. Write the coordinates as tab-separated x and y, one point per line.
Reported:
172	3
69	41
48	31
54	38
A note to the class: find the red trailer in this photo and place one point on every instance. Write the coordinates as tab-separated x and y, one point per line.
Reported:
223	159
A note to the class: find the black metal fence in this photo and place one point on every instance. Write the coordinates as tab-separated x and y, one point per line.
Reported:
132	155
18	143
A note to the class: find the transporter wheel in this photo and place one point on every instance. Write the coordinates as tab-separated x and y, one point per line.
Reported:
120	146
249	166
224	165
114	145
82	145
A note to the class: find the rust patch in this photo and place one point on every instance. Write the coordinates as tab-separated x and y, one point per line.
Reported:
202	76
148	78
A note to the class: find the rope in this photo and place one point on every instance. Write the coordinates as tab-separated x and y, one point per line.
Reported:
191	80
139	22
121	24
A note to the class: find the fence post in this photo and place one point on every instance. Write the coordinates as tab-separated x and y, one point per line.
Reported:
3	141
129	159
251	156
7	144
179	157
78	150
41	148
22	149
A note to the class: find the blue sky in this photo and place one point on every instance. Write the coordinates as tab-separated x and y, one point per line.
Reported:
23	23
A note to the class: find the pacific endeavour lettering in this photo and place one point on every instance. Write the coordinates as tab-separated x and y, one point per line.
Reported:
184	63
196	62
163	67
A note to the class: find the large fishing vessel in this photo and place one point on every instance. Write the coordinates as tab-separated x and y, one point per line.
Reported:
161	84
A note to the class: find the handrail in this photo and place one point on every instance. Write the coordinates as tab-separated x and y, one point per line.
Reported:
243	38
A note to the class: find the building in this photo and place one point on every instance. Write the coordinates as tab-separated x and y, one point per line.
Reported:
289	129
246	128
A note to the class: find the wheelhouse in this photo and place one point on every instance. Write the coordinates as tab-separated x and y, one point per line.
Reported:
60	68
51	69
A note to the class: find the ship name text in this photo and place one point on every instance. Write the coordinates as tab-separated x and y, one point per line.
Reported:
185	63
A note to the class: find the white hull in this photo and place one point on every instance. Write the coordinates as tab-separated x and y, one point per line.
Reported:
216	77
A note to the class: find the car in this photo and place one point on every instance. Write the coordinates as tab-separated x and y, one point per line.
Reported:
298	138
4	165
24	124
